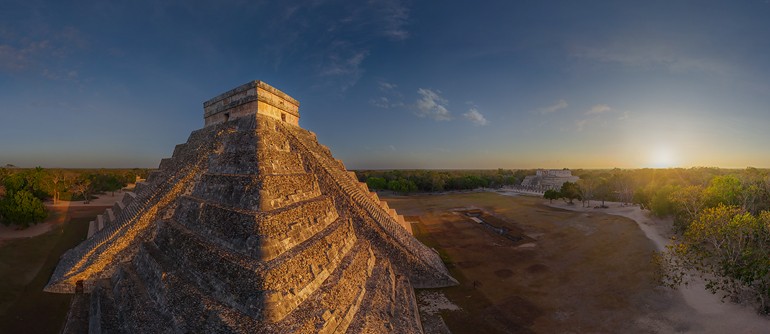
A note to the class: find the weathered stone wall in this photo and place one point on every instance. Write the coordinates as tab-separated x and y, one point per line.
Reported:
251	98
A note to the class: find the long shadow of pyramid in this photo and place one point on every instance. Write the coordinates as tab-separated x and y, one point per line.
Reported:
252	227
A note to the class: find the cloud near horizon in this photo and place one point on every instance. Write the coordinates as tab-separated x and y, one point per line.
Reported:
598	109
476	117
561	104
432	105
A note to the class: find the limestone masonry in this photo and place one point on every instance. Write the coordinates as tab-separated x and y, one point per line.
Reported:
251	226
545	179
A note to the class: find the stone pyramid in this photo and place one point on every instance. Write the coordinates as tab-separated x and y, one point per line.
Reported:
250	227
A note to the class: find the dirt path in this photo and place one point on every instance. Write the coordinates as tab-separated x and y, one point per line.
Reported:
710	311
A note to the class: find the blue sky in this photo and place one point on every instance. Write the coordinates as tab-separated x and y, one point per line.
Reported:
396	84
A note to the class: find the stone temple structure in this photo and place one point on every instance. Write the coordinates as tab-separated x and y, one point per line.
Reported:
545	179
250	227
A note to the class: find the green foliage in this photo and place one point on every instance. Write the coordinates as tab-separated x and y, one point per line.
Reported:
660	203
403	186
642	197
723	190
552	194
376	183
570	191
688	202
439	180
728	248
21	208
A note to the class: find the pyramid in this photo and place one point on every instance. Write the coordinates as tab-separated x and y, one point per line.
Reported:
251	226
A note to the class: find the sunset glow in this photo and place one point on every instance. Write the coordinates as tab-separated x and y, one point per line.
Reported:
662	157
396	84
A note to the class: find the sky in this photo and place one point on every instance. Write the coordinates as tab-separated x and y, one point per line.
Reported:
396	83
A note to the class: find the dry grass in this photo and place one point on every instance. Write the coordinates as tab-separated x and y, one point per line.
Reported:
587	272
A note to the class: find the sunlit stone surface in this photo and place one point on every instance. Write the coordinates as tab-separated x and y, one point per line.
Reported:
250	227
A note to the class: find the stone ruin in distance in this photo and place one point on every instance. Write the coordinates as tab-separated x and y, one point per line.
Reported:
250	227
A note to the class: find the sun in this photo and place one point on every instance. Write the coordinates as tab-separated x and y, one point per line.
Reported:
662	157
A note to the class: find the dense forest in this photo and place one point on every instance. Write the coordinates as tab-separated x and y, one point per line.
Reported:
23	191
409	181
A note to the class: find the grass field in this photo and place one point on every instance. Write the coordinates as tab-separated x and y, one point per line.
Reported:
25	267
587	273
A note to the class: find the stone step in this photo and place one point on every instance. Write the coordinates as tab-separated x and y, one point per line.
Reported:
280	190
237	190
282	283
195	308
139	312
224	275
140	186
179	150
118	207
102	315
333	305
264	235
153	175
389	304
284	228
279	162
91	228
242	160
163	165
110	216
129	197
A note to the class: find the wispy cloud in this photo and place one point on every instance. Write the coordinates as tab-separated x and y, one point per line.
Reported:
338	52
432	105
580	124
646	56
42	52
343	66
386	86
385	103
395	18
390	96
475	117
598	109
558	105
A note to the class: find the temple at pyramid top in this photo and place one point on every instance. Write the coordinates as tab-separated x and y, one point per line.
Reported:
255	97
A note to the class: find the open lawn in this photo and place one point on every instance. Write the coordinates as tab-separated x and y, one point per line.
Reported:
26	265
583	273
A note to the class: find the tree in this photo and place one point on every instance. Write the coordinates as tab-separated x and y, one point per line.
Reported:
402	186
643	197
82	187
56	182
728	248
603	190
587	188
570	191
688	202
22	208
724	190
376	183
661	204
552	194
623	184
